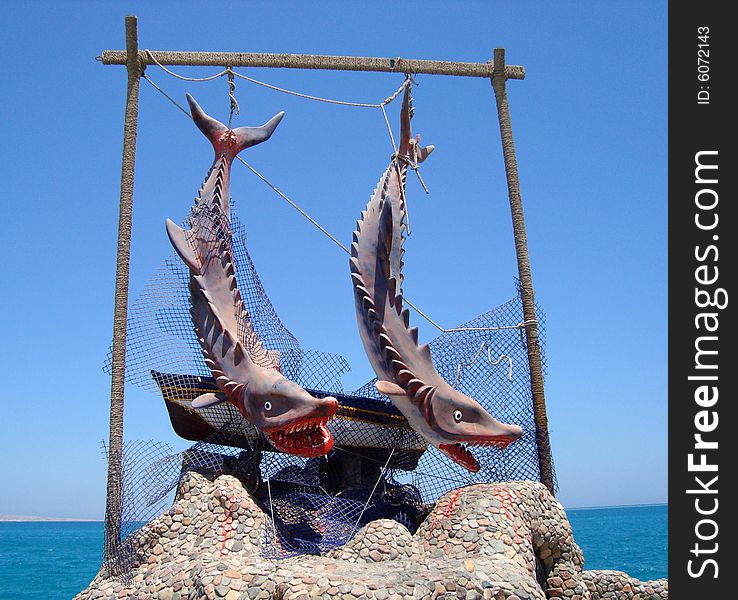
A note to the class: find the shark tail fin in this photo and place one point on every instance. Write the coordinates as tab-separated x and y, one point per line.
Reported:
409	146
231	141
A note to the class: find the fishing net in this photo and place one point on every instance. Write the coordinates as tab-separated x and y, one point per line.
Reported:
148	470
379	467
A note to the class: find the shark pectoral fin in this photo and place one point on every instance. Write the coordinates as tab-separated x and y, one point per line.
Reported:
389	389
209	399
178	238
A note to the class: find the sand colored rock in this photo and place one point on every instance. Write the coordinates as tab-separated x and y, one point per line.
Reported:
505	541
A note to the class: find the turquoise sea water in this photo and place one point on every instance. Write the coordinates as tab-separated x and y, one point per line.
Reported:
625	538
57	560
48	560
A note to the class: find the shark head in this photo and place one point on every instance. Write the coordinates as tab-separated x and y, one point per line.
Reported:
453	421
464	422
292	420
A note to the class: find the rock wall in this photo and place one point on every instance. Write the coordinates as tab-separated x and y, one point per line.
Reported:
508	541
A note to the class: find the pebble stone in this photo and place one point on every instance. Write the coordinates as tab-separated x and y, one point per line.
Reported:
479	542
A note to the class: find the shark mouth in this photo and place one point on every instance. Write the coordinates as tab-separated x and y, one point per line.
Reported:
459	453
309	438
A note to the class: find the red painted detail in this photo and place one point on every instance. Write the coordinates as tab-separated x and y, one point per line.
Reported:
227	529
506	498
451	504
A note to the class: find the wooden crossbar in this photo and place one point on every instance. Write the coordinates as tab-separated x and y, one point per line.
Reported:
315	61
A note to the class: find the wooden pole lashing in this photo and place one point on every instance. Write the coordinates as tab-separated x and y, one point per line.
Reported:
524	272
118	364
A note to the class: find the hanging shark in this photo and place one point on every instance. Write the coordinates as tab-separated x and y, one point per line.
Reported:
445	417
246	373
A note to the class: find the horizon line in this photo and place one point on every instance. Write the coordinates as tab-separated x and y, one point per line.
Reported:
43	519
616	506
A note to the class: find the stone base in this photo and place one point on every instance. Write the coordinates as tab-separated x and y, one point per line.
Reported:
508	541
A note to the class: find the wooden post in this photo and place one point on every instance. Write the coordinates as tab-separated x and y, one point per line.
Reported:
526	281
118	364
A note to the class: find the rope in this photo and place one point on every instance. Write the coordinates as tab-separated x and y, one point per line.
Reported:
413	164
182	77
522	325
394	153
167	96
327	100
230	73
416	167
416	471
294	205
333	238
366	504
271	508
389	130
489	358
235	109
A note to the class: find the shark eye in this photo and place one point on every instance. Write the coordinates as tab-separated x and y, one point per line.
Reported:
457	416
267	406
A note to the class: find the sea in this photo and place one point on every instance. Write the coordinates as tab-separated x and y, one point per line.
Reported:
55	560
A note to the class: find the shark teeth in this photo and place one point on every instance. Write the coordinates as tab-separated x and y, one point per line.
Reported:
459	454
501	442
308	438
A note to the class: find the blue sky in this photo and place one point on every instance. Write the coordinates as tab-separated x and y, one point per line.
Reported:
590	127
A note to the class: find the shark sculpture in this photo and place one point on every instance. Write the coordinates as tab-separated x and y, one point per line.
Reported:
445	417
245	372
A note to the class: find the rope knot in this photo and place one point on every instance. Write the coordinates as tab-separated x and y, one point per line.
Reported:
235	109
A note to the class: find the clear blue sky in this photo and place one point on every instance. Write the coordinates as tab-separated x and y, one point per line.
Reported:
590	127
